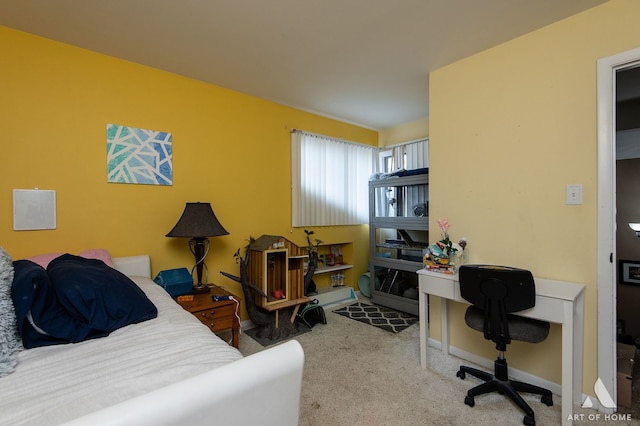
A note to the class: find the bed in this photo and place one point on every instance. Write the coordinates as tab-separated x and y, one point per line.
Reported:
169	370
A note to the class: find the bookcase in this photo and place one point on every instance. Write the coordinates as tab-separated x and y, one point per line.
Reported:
398	236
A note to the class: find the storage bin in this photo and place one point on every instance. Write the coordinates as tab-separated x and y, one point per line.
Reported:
175	281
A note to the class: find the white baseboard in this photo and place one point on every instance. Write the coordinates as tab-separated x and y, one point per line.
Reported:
555	388
329	296
247	325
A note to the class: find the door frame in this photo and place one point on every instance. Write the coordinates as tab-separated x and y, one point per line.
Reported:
606	233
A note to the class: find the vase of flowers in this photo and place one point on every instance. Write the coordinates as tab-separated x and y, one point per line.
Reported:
445	243
445	255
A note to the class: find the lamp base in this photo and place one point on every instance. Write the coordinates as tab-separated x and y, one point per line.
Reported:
199	289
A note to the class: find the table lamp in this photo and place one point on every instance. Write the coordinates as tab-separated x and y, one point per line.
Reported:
198	222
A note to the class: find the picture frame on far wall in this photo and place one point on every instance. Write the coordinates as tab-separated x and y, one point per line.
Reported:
629	272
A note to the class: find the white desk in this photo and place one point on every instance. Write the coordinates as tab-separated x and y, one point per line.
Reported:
556	301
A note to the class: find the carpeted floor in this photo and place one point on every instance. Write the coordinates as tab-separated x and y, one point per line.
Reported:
356	374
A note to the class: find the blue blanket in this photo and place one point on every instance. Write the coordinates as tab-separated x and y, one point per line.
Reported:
74	299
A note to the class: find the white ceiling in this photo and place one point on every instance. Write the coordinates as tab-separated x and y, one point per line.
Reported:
361	61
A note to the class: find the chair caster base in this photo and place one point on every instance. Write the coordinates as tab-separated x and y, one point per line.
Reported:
547	400
529	421
469	400
461	374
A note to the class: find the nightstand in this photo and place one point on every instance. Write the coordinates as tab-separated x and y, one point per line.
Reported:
218	316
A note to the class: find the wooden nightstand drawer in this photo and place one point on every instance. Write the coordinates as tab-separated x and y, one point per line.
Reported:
219	324
214	313
217	315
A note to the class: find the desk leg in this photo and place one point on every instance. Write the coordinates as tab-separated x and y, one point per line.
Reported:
572	341
567	367
444	322
578	345
572	330
424	326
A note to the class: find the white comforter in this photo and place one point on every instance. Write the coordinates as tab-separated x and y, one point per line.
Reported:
55	384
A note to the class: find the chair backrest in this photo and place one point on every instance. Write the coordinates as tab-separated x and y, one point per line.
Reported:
498	291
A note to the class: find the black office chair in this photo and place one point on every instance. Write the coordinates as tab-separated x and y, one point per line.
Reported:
494	293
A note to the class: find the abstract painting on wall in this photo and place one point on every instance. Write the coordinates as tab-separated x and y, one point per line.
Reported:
138	156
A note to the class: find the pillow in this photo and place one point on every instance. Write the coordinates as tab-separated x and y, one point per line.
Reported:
100	254
10	344
75	299
44	259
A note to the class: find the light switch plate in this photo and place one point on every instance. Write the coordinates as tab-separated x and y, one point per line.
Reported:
574	194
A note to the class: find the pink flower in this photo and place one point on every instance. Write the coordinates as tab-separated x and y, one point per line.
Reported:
444	225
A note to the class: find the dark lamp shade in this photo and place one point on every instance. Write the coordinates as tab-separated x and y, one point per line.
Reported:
197	221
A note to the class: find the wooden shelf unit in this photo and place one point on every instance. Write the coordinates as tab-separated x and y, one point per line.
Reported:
320	276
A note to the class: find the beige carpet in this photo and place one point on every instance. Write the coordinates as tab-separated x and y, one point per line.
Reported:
356	374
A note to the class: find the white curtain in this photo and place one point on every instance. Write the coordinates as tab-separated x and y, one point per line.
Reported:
329	180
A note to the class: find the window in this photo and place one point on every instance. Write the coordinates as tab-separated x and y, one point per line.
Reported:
408	155
385	163
329	180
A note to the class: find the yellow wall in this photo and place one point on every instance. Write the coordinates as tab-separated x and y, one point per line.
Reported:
509	128
230	149
405	132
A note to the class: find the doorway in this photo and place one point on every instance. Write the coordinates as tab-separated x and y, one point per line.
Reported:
606	233
627	206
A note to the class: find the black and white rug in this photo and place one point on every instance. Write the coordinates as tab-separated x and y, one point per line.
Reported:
378	316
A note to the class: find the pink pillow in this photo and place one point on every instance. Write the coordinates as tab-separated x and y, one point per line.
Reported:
100	254
44	259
